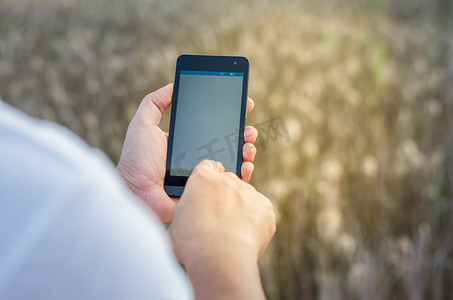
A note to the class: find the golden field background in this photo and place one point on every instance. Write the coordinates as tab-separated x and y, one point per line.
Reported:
363	181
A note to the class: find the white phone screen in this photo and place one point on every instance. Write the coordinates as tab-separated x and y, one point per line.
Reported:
207	120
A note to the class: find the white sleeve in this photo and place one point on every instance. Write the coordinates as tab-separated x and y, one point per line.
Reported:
69	229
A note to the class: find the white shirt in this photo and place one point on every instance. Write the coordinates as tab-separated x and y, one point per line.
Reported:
69	228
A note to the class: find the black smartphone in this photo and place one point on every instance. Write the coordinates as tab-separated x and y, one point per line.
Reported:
207	116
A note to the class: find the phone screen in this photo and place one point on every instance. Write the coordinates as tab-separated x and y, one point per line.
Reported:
207	120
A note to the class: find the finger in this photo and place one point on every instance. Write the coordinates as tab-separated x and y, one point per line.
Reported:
250	105
156	103
250	134
220	168
209	166
246	171
248	152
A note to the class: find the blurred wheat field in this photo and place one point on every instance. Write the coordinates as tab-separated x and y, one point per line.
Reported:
362	178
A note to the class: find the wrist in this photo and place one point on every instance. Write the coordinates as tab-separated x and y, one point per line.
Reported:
225	274
212	245
223	269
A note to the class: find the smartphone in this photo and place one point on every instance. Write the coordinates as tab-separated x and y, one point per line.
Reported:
207	116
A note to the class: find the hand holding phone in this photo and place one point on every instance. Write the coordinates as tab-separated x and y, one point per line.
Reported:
142	164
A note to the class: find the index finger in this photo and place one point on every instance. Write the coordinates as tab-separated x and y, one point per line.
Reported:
209	166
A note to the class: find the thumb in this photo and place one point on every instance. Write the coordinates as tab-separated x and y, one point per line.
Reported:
156	103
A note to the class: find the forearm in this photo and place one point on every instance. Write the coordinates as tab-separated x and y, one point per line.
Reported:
233	276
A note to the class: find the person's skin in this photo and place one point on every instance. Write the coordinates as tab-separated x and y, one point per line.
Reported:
221	227
143	158
221	224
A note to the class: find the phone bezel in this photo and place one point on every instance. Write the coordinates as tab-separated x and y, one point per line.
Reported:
174	185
